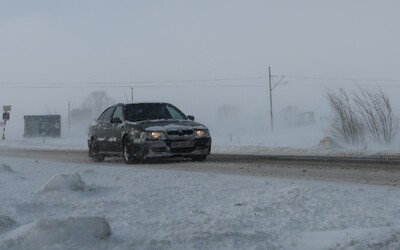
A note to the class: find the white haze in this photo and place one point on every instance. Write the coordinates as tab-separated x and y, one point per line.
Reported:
53	52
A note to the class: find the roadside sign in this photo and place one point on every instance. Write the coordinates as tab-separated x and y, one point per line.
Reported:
42	125
6	108
6	116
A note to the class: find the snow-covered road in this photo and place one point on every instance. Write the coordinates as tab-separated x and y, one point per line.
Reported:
48	205
335	169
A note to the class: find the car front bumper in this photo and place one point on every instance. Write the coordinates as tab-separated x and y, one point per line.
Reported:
173	148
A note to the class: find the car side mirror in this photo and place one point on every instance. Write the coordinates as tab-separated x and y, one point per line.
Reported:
190	117
116	120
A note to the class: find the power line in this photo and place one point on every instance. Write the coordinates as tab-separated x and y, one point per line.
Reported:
135	86
196	83
340	79
134	83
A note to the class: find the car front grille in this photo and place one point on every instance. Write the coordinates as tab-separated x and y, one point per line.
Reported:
180	132
181	150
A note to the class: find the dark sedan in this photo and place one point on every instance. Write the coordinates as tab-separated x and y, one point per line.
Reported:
139	131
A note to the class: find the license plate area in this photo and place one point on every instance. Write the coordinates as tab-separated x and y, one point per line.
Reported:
182	144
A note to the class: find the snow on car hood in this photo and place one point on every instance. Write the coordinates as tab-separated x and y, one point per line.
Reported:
169	125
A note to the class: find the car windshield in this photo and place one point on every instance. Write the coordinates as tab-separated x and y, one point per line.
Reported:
153	111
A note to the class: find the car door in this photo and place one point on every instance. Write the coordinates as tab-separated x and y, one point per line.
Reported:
113	136
103	129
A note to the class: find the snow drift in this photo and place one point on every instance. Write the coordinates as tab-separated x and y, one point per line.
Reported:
75	233
4	168
65	182
6	223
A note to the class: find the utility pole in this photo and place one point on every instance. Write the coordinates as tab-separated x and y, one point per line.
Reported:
132	94
270	98
69	115
4	131
271	87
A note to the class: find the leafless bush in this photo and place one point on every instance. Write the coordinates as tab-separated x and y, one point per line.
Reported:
345	123
372	115
376	113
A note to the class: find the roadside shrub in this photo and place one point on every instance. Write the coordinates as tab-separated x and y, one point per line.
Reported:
364	114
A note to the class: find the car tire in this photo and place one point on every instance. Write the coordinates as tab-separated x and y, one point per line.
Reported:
199	158
127	152
94	151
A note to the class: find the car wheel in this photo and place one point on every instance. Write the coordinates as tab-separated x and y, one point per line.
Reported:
94	151
199	158
127	152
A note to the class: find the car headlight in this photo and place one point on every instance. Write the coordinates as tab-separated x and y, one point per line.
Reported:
199	133
137	134
156	135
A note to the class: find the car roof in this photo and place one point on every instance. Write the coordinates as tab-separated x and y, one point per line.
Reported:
128	103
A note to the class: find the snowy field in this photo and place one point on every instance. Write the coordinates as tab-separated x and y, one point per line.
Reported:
47	205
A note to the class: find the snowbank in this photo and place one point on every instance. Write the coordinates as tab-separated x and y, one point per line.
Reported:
4	168
65	182
327	146
356	238
6	223
70	233
327	143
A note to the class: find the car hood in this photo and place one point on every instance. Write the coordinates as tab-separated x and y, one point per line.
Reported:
169	125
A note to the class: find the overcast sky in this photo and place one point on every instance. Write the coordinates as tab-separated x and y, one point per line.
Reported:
82	41
47	42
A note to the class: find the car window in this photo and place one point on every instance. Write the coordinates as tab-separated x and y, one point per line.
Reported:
175	113
147	111
135	113
106	116
101	117
153	111
119	113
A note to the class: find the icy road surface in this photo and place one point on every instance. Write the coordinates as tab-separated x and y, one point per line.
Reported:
49	205
360	171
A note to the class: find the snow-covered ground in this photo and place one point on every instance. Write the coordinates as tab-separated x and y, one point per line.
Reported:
47	205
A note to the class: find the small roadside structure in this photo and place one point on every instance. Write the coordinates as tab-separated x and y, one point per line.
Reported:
42	125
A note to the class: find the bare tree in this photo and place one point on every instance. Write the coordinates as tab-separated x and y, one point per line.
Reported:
97	101
377	115
345	122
